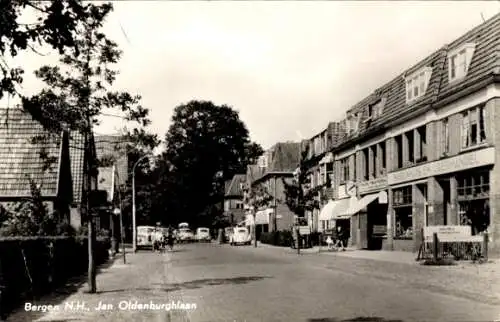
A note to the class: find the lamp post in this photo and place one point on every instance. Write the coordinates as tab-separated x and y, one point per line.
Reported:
116	212
134	225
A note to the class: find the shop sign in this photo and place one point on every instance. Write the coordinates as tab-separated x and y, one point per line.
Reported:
372	185
382	197
458	163
448	233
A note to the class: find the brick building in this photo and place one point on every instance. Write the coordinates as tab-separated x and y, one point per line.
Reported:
423	149
233	199
277	164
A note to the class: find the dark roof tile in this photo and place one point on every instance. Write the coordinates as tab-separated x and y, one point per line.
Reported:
20	157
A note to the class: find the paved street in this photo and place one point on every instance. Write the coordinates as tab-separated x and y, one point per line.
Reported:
268	284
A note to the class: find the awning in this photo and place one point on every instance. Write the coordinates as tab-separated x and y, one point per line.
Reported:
328	158
362	203
261	218
334	208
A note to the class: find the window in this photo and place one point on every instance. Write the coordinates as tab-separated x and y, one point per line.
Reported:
366	163
410	146
344	170
473	185
416	84
263	161
382	157
370	111
421	153
399	150
459	61
375	110
402	204
446	136
473	127
352	123
373	152
329	171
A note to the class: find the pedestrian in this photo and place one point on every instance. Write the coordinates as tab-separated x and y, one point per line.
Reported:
341	237
170	238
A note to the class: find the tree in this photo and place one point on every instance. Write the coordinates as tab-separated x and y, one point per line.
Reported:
298	196
76	96
205	145
56	24
257	197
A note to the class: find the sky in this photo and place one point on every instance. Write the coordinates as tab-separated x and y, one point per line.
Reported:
288	68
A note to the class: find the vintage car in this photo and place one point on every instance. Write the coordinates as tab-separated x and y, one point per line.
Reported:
203	235
240	236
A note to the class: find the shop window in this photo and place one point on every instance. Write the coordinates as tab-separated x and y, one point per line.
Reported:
475	213
473	127
399	150
473	186
402	204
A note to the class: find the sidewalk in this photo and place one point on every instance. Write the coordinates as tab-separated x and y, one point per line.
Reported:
143	278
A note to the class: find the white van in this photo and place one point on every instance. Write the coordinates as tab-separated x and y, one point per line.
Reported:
203	235
145	236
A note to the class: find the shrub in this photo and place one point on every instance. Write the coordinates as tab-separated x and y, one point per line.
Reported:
33	266
277	238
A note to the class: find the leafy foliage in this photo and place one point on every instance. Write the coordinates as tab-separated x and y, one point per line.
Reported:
257	197
299	197
206	145
57	24
32	218
77	93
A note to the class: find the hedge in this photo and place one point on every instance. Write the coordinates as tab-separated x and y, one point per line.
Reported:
278	238
34	266
285	238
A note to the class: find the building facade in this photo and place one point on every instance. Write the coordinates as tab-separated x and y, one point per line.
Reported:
422	150
233	199
276	165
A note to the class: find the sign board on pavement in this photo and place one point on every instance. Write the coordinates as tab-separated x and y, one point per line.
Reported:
449	233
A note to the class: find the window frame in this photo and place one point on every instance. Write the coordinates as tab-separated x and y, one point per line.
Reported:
459	60
417	84
474	116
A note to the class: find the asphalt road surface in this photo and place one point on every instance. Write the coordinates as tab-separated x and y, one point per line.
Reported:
224	283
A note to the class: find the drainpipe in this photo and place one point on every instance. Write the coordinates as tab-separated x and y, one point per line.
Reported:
275	219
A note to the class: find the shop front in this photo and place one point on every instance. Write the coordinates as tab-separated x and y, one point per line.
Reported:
368	220
262	220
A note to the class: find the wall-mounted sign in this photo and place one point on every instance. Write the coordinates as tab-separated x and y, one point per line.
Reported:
351	189
458	163
372	185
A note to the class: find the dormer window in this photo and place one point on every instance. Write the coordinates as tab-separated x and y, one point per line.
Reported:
417	83
459	61
352	123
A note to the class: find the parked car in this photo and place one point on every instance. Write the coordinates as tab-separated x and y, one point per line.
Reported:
228	231
203	235
185	235
240	236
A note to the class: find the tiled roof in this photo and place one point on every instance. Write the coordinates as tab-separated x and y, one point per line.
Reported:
76	154
486	60
285	157
20	157
234	187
